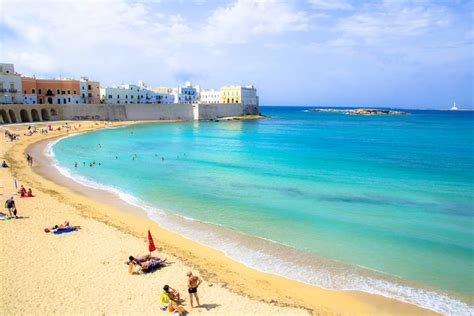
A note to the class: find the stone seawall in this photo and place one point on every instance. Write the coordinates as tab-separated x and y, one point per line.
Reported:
22	113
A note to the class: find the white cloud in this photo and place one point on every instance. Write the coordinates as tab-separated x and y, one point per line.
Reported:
331	4
125	37
392	20
244	19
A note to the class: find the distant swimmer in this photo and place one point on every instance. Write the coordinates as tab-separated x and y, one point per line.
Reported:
84	163
75	165
90	165
99	163
116	157
162	158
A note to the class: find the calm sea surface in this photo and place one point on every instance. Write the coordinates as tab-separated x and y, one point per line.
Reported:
383	204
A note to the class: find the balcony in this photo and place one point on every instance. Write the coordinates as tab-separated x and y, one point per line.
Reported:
3	90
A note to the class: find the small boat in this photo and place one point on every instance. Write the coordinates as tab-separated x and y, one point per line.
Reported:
454	108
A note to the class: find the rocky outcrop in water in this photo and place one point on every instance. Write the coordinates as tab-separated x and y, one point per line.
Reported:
360	111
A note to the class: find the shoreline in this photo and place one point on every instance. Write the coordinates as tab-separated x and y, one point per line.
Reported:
341	276
220	269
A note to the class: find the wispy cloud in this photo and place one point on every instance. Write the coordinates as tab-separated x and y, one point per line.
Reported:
302	51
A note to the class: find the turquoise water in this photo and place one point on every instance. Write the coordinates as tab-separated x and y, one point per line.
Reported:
393	194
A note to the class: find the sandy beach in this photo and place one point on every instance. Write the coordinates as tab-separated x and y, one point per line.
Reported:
84	272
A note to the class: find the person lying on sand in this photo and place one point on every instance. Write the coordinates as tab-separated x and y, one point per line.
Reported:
65	225
138	259
146	263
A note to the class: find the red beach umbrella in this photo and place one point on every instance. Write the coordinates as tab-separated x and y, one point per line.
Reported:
151	244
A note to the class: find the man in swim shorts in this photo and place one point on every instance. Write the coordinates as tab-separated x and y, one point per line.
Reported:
193	284
10	205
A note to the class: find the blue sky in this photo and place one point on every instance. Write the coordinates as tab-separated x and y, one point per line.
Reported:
398	53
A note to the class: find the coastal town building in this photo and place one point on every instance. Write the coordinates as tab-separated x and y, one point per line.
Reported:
209	96
238	94
50	91
89	91
188	94
120	94
10	84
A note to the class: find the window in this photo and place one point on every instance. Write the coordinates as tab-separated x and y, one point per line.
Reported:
83	95
131	97
118	96
89	87
33	91
110	96
68	91
126	96
23	93
41	101
63	92
34	102
77	102
57	91
74	92
68	99
118	101
39	91
90	95
64	100
59	101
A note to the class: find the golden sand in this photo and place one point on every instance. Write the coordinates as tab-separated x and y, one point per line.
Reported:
84	272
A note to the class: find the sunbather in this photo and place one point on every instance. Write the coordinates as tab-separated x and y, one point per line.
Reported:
30	193
65	225
147	262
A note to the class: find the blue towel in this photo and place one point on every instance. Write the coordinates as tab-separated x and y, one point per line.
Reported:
63	231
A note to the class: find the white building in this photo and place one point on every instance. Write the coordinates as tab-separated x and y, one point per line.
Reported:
10	85
164	95
249	95
121	94
209	96
187	94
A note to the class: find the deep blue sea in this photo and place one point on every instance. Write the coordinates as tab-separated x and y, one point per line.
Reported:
383	204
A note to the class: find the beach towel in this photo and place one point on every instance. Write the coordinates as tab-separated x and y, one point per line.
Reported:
26	196
64	231
4	217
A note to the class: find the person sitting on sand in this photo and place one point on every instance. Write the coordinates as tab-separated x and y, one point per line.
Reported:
10	205
30	193
4	164
172	293
22	191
